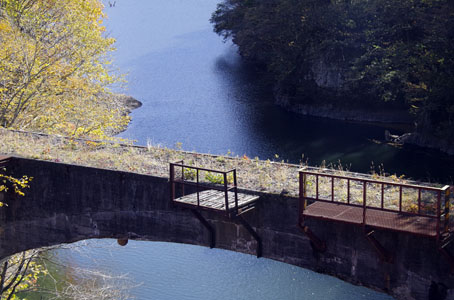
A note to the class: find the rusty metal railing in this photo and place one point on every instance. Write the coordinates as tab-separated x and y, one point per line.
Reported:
200	185
313	189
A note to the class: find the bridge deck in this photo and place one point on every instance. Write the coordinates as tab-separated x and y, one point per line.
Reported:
375	218
215	199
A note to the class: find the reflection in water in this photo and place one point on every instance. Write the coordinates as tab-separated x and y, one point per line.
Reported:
177	271
197	91
272	130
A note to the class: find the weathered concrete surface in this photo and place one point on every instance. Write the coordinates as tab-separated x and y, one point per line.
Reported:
67	203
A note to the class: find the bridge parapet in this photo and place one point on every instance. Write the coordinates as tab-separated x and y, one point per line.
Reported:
67	203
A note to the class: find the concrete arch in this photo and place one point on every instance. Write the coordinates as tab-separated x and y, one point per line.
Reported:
67	203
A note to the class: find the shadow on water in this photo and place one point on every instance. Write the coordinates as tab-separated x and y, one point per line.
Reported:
178	271
294	137
197	91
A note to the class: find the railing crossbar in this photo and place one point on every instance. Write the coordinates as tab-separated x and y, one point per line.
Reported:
226	188
406	185
374	208
203	169
365	182
205	185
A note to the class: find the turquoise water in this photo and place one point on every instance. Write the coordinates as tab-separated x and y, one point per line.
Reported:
164	271
196	91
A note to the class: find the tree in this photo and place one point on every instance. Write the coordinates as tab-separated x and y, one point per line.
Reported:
19	273
38	274
391	55
22	273
54	68
11	184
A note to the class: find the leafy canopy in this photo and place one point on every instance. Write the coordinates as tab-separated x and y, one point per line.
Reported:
389	54
54	68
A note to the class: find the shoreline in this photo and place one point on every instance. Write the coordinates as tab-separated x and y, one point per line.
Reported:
127	104
356	115
398	119
392	118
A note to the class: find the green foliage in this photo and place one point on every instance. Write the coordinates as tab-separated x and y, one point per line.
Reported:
389	54
19	273
212	177
220	159
55	70
217	178
189	174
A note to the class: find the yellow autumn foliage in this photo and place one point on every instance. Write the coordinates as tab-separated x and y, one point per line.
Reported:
54	68
16	185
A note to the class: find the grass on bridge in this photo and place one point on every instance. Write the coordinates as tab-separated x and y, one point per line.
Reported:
261	175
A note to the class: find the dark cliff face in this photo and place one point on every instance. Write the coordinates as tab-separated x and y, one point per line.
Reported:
332	111
328	76
381	55
67	203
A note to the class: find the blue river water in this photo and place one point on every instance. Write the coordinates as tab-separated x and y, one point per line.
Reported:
167	271
196	91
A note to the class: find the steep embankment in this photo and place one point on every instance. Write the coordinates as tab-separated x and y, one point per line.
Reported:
128	104
378	60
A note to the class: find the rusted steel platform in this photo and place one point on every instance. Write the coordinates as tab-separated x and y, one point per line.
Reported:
215	200
398	205
213	190
420	225
375	202
208	189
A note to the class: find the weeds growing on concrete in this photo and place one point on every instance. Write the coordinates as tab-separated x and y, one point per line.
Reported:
261	175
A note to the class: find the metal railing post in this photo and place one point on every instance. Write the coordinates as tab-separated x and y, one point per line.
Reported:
236	190
382	195
419	201
364	202
172	182
182	177
447	208
316	187
438	214
301	197
348	190
332	189
197	188
226	194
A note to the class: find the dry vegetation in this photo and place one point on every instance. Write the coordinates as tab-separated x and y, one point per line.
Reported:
252	173
255	174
